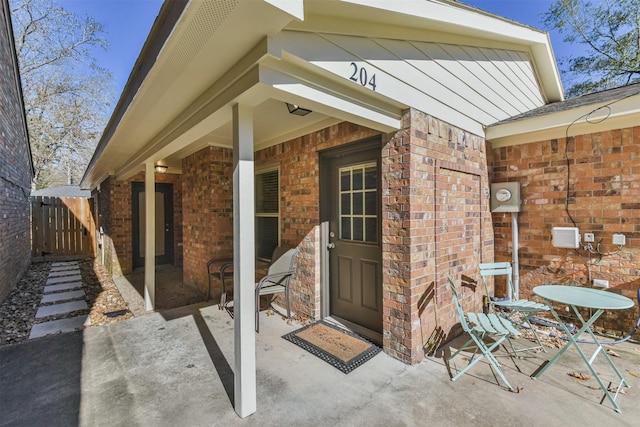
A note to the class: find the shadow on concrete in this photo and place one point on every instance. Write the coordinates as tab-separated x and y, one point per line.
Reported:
220	363
40	382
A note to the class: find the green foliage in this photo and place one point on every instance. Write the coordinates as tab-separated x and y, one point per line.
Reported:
610	31
67	95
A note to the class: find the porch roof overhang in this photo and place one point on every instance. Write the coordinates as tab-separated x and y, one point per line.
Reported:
203	57
614	109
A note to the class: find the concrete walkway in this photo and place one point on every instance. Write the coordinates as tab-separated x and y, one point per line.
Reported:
63	294
174	368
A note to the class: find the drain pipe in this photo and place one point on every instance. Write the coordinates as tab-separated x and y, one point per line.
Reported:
516	268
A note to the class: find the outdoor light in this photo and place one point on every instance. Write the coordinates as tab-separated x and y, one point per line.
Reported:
160	168
297	110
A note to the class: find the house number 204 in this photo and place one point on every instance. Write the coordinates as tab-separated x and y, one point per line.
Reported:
361	75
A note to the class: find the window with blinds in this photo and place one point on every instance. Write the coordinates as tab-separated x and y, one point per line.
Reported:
267	203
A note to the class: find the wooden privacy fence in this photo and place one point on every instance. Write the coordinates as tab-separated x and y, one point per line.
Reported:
62	228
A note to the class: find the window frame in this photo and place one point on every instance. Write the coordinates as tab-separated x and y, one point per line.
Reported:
260	171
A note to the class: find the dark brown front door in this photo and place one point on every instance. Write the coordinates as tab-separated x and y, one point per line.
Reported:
352	205
164	223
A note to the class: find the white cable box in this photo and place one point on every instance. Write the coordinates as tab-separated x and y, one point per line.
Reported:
566	237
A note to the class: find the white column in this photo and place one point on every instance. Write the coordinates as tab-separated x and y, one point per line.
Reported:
244	262
150	237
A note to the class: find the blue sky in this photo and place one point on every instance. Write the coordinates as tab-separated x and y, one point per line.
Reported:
127	24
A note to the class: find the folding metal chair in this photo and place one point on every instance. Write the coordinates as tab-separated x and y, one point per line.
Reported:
480	326
510	306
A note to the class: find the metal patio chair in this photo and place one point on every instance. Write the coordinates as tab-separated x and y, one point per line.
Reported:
277	279
509	307
480	326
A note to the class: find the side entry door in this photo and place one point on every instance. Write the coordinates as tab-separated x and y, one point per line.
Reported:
164	223
352	203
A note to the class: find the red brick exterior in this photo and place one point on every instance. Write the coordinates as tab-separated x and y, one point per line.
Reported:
207	188
604	194
115	217
300	204
436	222
15	169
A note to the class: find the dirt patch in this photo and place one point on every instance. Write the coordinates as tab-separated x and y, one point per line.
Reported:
18	310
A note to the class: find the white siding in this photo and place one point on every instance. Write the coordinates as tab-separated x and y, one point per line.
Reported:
464	85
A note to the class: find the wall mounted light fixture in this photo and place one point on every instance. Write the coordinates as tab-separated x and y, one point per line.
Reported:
297	110
160	168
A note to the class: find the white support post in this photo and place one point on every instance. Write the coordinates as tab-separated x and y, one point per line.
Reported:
244	262
150	237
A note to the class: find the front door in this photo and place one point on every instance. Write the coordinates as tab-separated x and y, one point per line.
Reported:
164	223
352	205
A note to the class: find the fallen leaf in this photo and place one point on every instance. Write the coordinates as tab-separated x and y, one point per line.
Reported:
615	389
633	374
579	375
517	389
612	353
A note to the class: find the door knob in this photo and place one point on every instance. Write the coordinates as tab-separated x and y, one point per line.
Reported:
331	245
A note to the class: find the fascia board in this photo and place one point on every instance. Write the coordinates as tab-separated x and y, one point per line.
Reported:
623	114
295	8
331	100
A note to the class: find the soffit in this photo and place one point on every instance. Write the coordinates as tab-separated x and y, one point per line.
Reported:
202	47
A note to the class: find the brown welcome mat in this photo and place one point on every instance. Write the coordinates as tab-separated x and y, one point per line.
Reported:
340	348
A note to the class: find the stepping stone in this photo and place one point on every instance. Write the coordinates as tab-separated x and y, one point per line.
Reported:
65	307
64	263
55	280
62	287
64	268
55	326
63	296
63	273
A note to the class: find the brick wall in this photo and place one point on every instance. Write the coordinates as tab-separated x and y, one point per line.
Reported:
208	202
15	170
604	190
115	216
207	188
300	204
426	164
436	222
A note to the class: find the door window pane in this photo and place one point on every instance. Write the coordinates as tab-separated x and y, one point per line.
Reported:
357	179
345	204
371	203
345	181
359	203
371	177
345	229
371	230
358	232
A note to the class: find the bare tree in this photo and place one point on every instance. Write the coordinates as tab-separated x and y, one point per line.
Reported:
610	32
67	94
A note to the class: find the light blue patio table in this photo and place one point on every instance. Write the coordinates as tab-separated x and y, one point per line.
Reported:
588	298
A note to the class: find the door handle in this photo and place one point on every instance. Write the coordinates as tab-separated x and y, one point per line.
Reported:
331	245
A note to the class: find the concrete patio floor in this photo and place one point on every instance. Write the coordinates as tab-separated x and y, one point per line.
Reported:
174	368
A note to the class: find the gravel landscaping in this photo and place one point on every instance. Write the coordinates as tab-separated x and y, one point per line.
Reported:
18	310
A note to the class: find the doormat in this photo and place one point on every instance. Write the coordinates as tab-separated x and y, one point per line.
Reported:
341	349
